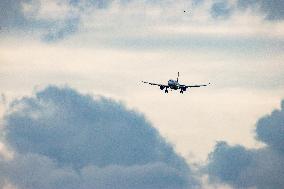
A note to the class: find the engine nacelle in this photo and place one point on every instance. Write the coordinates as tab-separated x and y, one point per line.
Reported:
162	87
184	88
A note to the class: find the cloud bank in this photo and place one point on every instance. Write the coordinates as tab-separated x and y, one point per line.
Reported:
63	139
55	20
271	10
245	168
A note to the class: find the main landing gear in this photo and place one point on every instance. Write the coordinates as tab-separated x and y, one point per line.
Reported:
166	91
181	91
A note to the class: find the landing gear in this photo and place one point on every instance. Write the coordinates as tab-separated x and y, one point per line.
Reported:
182	89
166	91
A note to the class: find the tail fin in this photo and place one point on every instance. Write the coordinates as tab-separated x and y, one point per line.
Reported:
177	76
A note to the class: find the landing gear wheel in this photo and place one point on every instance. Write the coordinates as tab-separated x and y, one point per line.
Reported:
166	91
181	92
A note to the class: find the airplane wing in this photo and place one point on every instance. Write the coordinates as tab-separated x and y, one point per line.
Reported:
190	86
160	85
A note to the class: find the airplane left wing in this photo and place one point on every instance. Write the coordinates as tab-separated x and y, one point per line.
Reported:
160	85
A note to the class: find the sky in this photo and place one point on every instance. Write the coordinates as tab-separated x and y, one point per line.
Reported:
72	70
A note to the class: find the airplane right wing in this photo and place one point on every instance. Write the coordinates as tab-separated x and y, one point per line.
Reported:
190	86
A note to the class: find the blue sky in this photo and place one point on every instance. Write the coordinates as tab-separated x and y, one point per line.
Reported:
105	48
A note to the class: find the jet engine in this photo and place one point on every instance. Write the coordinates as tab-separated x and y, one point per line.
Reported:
162	87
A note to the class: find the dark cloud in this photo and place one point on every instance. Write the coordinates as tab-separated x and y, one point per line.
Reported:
273	9
14	17
60	136
260	168
35	171
11	14
270	129
228	163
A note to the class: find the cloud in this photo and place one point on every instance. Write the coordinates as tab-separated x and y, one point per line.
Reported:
63	139
65	28
270	129
55	20
260	168
11	13
272	9
3	99
36	171
51	21
221	9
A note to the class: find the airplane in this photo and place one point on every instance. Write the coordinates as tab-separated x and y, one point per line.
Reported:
175	85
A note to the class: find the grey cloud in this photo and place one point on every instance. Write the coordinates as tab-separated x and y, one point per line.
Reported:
273	9
35	171
221	9
197	2
99	3
93	142
244	168
227	163
152	176
270	129
62	29
11	13
9	5
13	17
260	168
